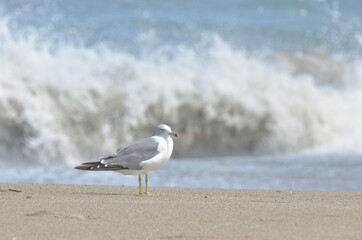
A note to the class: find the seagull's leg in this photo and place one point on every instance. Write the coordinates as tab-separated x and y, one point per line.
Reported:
146	181
139	183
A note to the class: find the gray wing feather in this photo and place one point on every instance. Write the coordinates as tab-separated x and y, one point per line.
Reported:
132	155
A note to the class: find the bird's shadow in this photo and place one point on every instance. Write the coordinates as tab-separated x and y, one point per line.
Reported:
108	194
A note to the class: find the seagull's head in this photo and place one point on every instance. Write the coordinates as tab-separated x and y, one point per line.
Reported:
164	130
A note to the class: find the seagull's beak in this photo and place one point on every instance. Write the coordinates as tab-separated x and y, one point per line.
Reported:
174	134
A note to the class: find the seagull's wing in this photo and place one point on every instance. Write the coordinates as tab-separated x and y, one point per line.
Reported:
132	155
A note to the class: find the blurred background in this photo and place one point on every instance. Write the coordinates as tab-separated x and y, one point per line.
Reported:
265	94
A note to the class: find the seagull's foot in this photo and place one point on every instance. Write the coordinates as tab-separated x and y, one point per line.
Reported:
146	181
139	185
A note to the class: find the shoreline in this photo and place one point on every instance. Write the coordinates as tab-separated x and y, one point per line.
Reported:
43	211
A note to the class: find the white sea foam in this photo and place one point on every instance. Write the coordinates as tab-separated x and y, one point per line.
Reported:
67	103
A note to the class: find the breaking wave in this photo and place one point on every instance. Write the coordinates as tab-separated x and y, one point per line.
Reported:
67	103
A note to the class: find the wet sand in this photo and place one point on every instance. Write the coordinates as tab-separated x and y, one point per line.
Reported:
46	211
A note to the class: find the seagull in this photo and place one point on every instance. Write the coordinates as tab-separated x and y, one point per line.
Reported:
138	158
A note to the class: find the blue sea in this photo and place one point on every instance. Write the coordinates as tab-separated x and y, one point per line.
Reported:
264	94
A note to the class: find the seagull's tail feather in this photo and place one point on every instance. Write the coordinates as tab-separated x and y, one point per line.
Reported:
98	166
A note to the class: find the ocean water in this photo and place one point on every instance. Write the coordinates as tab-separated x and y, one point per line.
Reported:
265	94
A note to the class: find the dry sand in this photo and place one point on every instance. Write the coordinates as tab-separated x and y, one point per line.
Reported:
40	211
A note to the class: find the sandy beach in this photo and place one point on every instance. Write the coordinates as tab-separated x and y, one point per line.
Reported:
46	211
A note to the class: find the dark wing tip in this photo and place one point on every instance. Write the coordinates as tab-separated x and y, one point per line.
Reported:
98	166
82	167
90	163
87	165
108	157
